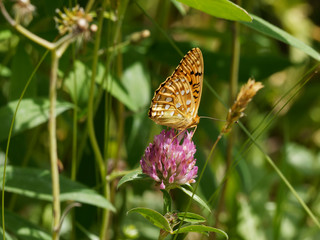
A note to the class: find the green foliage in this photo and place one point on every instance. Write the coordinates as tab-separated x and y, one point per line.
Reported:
32	113
270	30
154	217
36	183
220	8
261	182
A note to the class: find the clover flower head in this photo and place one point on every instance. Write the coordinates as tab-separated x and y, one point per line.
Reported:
168	162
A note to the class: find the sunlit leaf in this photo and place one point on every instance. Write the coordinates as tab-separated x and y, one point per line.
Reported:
31	113
132	89
270	30
220	8
4	71
201	229
195	198
190	217
36	183
77	83
154	217
24	229
132	176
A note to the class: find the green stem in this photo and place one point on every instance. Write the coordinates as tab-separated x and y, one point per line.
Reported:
53	146
91	131
40	41
9	138
199	179
166	202
74	124
232	93
283	178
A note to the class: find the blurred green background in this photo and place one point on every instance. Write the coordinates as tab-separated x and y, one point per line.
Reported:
256	204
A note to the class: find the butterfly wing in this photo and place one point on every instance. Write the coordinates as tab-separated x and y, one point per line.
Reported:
176	102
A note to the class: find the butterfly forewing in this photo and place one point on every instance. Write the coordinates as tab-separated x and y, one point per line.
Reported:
176	101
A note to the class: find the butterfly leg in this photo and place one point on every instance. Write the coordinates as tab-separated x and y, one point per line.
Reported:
179	132
195	128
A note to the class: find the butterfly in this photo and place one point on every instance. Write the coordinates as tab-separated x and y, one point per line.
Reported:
176	102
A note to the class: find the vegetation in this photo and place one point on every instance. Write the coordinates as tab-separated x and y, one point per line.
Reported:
77	79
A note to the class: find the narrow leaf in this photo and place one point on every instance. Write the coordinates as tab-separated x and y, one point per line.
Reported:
201	229
190	217
270	30
132	176
220	8
195	197
154	217
36	183
31	113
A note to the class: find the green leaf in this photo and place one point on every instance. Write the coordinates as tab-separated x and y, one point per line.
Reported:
36	183
302	159
24	229
89	235
8	236
270	30
77	83
5	71
195	197
154	217
31	113
220	8
201	229
190	217
132	90
132	176
179	7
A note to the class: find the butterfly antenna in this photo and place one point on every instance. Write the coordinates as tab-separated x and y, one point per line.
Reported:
216	119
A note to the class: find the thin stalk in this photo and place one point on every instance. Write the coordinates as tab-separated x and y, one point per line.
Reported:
91	131
170	40
74	139
199	179
25	32
74	125
53	146
111	187
232	93
9	138
283	178
26	158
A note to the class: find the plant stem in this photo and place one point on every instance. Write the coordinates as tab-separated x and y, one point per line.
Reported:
283	178
74	123
9	138
53	146
232	93
91	131
199	179
166	201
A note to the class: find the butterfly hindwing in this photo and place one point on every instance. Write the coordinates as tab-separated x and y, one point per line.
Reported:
176	101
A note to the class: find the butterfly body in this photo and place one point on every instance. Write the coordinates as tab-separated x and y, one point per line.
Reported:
175	103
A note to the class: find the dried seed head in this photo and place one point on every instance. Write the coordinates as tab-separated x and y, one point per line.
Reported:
23	11
75	21
245	95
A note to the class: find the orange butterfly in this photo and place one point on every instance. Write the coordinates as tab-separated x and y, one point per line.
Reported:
176	102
